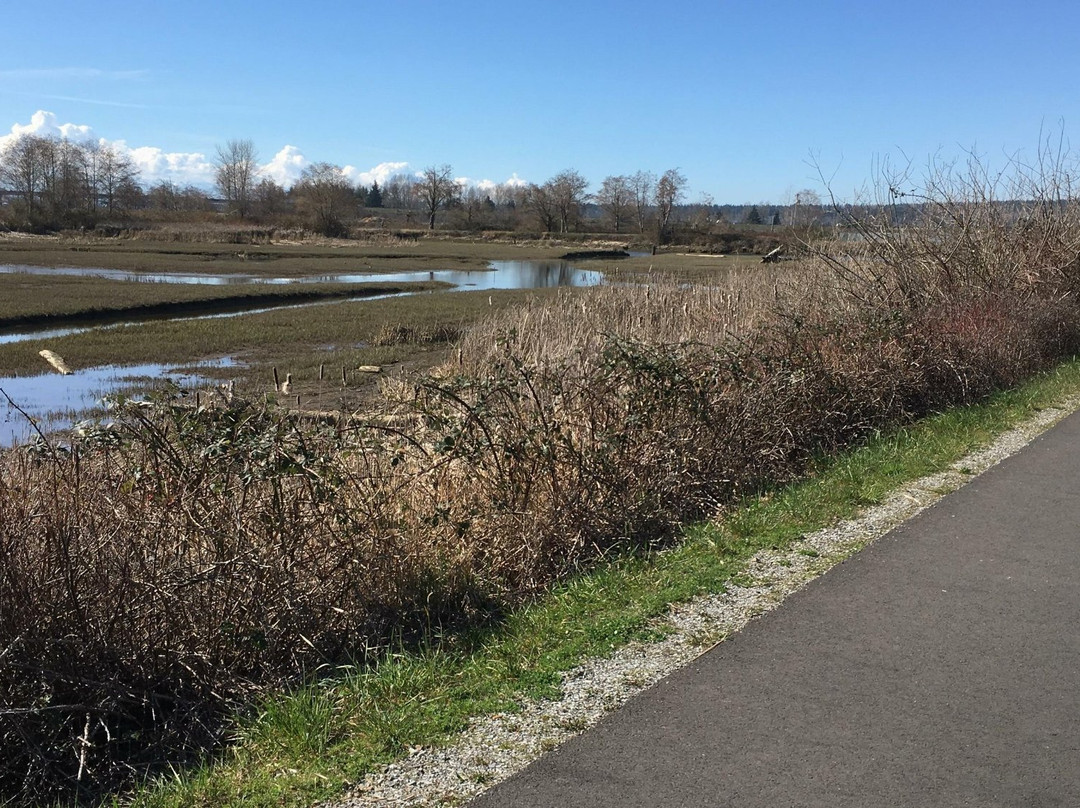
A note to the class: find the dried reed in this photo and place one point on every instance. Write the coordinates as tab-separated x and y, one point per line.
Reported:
172	566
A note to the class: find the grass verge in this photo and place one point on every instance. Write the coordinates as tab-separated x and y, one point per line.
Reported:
311	744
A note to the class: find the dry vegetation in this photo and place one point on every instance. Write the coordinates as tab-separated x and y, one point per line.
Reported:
183	251
35	301
171	568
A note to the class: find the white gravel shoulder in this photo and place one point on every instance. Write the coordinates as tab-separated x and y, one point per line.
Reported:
494	747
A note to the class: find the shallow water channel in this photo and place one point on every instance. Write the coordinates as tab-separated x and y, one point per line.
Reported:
501	275
56	402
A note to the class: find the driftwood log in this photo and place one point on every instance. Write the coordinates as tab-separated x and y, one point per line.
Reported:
773	255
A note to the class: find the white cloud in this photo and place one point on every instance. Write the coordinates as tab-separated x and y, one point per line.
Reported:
490	185
46	124
154	164
289	163
182	168
380	173
286	167
192	168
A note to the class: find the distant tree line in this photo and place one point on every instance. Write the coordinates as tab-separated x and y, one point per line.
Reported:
53	183
59	183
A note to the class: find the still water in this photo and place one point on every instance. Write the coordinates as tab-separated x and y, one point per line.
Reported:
56	402
501	275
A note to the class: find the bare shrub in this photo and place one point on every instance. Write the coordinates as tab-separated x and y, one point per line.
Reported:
167	570
164	569
962	230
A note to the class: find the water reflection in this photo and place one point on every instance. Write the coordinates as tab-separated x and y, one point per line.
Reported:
57	402
501	275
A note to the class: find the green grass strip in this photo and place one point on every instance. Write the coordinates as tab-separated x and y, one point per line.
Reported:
310	745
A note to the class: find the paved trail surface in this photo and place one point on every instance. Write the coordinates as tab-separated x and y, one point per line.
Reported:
938	667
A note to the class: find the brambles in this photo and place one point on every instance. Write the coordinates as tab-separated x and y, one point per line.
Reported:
171	568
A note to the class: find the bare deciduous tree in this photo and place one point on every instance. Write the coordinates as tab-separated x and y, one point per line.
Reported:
66	191
702	214
168	196
507	194
539	200
399	192
669	190
23	170
437	189
474	210
641	188
112	176
807	207
567	192
325	195
269	198
237	168
59	183
615	198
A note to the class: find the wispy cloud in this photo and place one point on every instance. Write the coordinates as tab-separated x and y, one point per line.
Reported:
77	73
95	101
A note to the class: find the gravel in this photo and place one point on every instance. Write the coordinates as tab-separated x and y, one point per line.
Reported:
496	746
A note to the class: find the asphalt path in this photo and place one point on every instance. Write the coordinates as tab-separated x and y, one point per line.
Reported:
940	666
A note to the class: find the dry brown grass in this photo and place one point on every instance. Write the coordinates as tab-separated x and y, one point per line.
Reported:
170	568
429	334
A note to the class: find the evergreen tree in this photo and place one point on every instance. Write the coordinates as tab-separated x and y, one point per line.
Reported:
753	216
374	196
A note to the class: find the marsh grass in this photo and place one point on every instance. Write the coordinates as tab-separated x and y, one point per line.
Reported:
297	340
178	566
37	300
399	334
276	259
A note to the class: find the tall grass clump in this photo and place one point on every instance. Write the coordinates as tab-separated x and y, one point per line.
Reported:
159	570
164	572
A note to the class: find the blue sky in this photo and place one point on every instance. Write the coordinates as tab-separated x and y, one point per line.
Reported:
738	95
